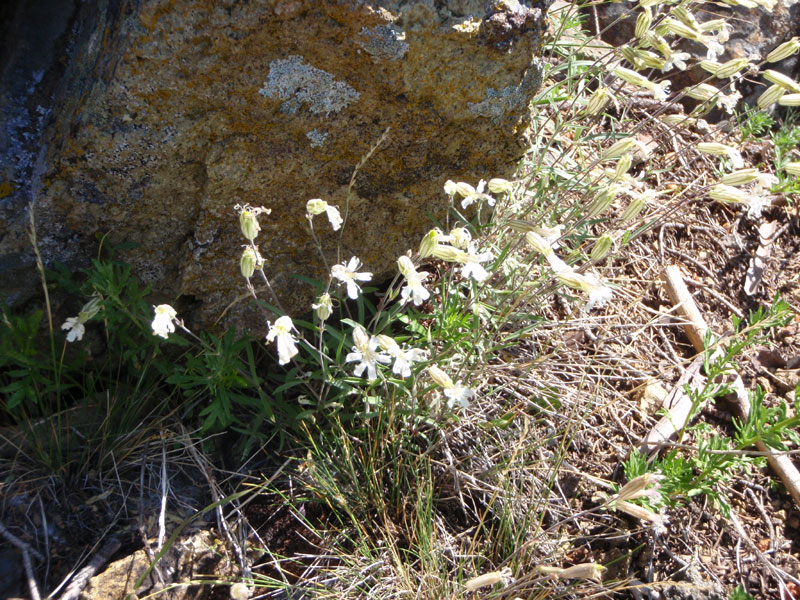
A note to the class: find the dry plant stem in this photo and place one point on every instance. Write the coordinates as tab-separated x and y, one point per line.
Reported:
679	404
83	576
695	325
240	552
163	512
40	267
696	328
26	551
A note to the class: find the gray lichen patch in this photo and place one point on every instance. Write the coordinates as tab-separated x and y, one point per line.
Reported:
509	99
298	83
383	42
317	138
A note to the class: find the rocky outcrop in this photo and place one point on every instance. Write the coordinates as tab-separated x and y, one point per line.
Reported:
168	113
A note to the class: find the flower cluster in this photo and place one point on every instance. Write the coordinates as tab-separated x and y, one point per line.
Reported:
599	293
365	352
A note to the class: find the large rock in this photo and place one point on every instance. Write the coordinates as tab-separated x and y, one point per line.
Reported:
167	113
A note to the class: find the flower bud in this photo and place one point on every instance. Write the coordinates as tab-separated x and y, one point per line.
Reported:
619	148
785	50
440	377
681	29
538	243
520	226
623	165
598	101
714	148
90	309
499	186
793	168
782	80
630	54
387	343
643	22
678	120
571	279
732	67
448	253
602	247
323	308
464	189
789	100
686	17
631	77
651	60
405	266
248	262
711	66
249	224
634	208
450	187
605	196
712	25
740	177
728	195
772	95
316	206
702	91
429	243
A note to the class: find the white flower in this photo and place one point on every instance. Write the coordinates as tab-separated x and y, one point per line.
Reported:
471	194
349	274
324	307
658	521
599	293
402	358
334	217
454	392
550	234
450	187
460	237
756	206
472	265
475	270
557	264
281	332
365	352
163	321
75	327
678	60
728	102
317	206
458	395
414	290
75	324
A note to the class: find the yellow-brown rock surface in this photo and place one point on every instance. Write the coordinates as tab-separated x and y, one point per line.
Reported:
185	108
